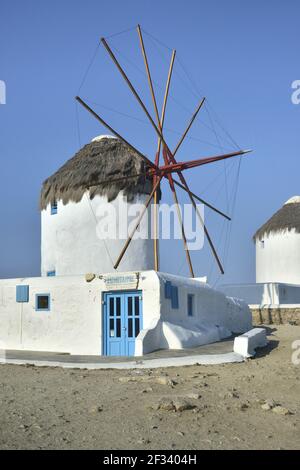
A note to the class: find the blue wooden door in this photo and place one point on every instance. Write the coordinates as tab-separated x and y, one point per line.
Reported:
122	322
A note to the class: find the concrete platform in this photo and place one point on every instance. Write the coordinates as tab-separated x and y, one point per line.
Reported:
216	353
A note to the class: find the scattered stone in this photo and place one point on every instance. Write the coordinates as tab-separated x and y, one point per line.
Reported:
162	380
181	404
22	426
165	381
139	372
180	433
266	407
143	441
271	402
89	277
243	406
96	409
177	404
268	404
281	410
260	401
166	404
128	379
194	396
147	390
232	395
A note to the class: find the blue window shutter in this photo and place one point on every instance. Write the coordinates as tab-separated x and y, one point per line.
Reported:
190	305
174	297
22	293
53	207
168	289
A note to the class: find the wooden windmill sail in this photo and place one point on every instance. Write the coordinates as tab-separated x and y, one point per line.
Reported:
157	171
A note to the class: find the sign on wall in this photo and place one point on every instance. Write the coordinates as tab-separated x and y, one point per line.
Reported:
122	281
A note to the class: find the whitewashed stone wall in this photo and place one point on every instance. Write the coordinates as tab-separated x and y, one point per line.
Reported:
278	258
71	245
74	322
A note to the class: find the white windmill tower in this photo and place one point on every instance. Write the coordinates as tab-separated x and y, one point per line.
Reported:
278	245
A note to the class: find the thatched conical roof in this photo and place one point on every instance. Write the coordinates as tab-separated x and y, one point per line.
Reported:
103	159
286	219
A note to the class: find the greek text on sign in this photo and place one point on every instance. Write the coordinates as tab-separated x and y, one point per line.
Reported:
121	282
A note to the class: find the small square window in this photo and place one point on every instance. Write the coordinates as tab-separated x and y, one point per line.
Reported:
53	207
262	243
51	273
190	305
42	302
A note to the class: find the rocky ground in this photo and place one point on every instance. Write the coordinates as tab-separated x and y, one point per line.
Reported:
253	405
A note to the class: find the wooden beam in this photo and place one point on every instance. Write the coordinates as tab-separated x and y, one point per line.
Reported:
179	166
188	256
182	165
148	71
155	214
171	183
105	124
138	222
189	126
201	221
164	107
160	122
113	57
202	200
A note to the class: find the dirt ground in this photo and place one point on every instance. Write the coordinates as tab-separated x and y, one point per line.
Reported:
231	406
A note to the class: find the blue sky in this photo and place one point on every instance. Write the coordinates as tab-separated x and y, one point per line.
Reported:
243	56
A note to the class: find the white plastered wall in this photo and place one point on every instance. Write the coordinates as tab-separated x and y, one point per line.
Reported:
278	258
215	317
71	240
210	305
74	322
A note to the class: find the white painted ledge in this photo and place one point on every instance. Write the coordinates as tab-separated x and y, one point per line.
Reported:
202	359
246	344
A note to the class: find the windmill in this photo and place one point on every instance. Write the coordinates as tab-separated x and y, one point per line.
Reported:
157	170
